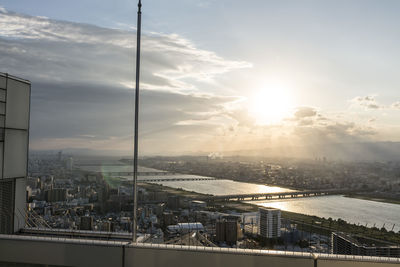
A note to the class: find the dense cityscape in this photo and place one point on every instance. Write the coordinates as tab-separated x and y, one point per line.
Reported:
94	194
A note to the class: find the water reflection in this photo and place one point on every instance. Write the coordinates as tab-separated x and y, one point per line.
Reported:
224	187
352	210
349	209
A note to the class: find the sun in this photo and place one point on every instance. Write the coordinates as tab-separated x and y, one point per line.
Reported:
270	105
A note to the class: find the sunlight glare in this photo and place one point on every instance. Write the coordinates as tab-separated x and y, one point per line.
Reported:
270	105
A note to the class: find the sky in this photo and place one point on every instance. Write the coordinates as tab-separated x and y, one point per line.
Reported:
216	76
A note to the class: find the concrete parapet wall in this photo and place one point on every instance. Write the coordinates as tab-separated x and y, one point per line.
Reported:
85	252
343	263
50	251
156	257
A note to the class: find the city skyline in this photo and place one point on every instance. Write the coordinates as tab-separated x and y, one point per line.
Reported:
325	72
268	133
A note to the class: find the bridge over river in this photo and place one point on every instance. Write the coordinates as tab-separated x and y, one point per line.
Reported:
280	195
175	178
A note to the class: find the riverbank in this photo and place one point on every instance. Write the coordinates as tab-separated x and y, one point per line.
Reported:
328	225
305	222
220	206
372	198
172	191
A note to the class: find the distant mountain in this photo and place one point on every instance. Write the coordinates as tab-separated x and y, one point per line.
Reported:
81	152
362	151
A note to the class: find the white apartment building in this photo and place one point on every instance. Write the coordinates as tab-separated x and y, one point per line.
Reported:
269	222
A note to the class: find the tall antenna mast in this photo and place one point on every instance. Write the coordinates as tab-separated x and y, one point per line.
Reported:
136	143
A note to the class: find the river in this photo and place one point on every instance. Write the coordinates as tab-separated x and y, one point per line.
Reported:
349	209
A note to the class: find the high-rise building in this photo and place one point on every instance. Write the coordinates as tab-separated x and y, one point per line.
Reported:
69	164
173	202
269	222
55	195
106	227
228	230
86	223
220	231
167	219
14	138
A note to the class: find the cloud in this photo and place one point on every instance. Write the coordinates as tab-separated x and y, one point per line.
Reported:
82	79
334	132
304	112
82	76
368	102
65	51
396	105
306	127
306	122
101	118
305	116
242	117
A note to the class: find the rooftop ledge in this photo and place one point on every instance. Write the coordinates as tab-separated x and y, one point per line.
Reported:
91	252
2	74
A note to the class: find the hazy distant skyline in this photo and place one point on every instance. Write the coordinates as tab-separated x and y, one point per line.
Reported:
213	72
